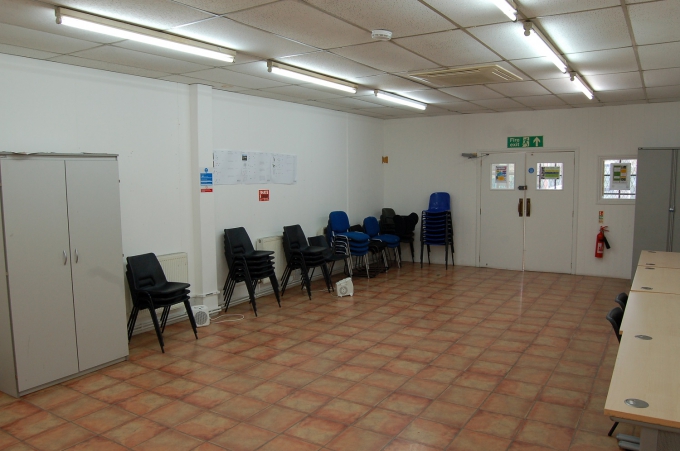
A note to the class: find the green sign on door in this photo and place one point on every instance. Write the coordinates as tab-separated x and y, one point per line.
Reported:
525	141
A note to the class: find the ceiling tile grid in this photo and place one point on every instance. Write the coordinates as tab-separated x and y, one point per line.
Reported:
627	53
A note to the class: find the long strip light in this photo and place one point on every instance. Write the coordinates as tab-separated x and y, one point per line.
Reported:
582	86
310	77
400	100
544	46
508	7
122	30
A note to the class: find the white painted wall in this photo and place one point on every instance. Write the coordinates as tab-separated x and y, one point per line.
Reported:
424	157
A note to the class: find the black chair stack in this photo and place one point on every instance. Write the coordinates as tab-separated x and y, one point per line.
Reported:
404	227
330	256
149	289
246	265
436	227
300	255
387	223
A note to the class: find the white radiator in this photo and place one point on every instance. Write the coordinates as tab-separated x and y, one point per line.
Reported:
176	269
274	243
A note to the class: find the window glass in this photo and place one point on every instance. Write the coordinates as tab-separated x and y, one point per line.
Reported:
550	176
617	175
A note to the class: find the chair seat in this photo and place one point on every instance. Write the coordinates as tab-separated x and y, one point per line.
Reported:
355	236
165	289
389	239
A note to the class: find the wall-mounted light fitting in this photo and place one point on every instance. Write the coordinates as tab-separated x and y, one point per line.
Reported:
582	86
508	7
544	46
310	77
126	31
399	99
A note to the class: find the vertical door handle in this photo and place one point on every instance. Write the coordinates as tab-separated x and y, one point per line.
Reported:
520	207
77	258
528	207
65	257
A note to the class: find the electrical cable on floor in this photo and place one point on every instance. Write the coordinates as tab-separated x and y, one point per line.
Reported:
227	320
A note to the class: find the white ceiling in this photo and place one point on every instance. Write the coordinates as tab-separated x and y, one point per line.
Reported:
628	51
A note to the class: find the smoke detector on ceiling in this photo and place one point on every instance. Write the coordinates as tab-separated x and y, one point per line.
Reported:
381	35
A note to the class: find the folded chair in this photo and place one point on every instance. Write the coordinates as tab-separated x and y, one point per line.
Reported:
372	229
300	255
246	265
149	289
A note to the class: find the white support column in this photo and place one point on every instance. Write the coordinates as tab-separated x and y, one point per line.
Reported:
203	203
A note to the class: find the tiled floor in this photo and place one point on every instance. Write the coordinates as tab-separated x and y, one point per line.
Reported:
465	359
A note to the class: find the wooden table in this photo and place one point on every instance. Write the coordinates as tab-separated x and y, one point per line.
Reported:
660	259
656	280
652	314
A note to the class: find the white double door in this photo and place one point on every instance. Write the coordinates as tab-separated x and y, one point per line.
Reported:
527	211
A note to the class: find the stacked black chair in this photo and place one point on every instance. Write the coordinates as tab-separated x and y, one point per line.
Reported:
404	227
387	224
246	265
330	256
149	289
436	227
390	241
300	255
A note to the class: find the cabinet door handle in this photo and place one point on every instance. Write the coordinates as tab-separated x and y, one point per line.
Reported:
65	257
528	207
77	258
520	207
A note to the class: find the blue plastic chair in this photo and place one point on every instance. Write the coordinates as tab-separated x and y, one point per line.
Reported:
353	244
372	228
436	227
439	202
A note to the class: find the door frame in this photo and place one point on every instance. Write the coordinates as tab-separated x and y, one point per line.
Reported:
478	211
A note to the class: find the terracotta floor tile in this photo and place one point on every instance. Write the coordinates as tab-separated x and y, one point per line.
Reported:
208	397
350	372
586	441
518	389
519	446
276	419
151	379
385	422
270	392
489	368
207	375
474	441
61	437
134	432
406	404
319	365
7	440
316	430
286	443
16	411
178	388
342	411
98	381
241	407
429	433
182	367
385	379
507	405
470	352
295	378
206	426
33	425
238	383
447	413
304	401
386	350
504	426
339	354
555	414
365	394
353	439
330	386
532	375
543	434
571	382
477	380
169	439
405	445
97	443
117	393
174	413
424	388
564	397
79	407
105	419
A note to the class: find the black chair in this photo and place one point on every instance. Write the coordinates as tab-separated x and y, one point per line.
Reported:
387	225
622	300
404	228
149	289
615	316
300	255
331	257
246	265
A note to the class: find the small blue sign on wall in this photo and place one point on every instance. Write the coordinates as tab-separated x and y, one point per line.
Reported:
206	177
531	170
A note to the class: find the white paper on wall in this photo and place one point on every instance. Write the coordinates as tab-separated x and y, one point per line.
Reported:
233	167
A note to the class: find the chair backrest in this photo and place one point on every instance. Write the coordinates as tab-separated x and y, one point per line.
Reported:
615	316
236	242
440	202
338	222
371	226
622	300
319	241
145	271
293	239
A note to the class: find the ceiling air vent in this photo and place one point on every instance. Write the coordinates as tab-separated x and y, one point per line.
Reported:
474	75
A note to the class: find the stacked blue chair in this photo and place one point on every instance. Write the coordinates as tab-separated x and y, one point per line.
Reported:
352	244
372	228
436	226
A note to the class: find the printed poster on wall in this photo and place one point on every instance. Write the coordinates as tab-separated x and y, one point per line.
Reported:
550	173
237	167
620	176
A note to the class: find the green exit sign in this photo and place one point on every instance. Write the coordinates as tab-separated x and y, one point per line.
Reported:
525	141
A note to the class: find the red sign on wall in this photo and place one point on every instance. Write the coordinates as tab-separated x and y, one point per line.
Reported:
264	195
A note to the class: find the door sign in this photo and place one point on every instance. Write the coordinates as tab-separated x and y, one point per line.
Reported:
525	141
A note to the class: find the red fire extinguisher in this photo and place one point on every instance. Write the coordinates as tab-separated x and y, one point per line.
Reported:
601	243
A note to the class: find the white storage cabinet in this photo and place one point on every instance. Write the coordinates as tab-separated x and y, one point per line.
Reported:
62	302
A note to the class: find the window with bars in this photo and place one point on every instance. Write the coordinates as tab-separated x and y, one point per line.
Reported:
618	180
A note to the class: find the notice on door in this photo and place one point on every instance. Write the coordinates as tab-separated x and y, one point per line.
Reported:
620	176
550	173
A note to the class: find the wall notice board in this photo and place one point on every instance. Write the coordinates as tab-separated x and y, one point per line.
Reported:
232	167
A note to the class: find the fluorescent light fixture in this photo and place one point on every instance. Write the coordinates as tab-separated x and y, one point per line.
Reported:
582	86
310	77
400	100
122	30
544	46
508	7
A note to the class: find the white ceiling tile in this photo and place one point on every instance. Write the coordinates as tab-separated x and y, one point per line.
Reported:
303	93
330	64
299	21
195	81
538	68
664	92
476	92
613	82
662	77
627	102
39	40
659	56
655	22
430	96
603	61
665	99
158	14
519	88
259	69
469	13
401	17
586	31
234	78
511	110
623	95
577	99
222	6
385	56
399	112
22	51
110	67
390	83
117	55
449	48
270	95
560	85
370	113
242	38
507	39
495	104
540	101
556	107
348	102
536	8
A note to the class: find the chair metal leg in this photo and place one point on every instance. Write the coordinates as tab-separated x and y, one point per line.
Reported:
190	314
412	252
131	322
304	275
284	279
164	317
326	276
611	431
157	327
422	247
275	287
